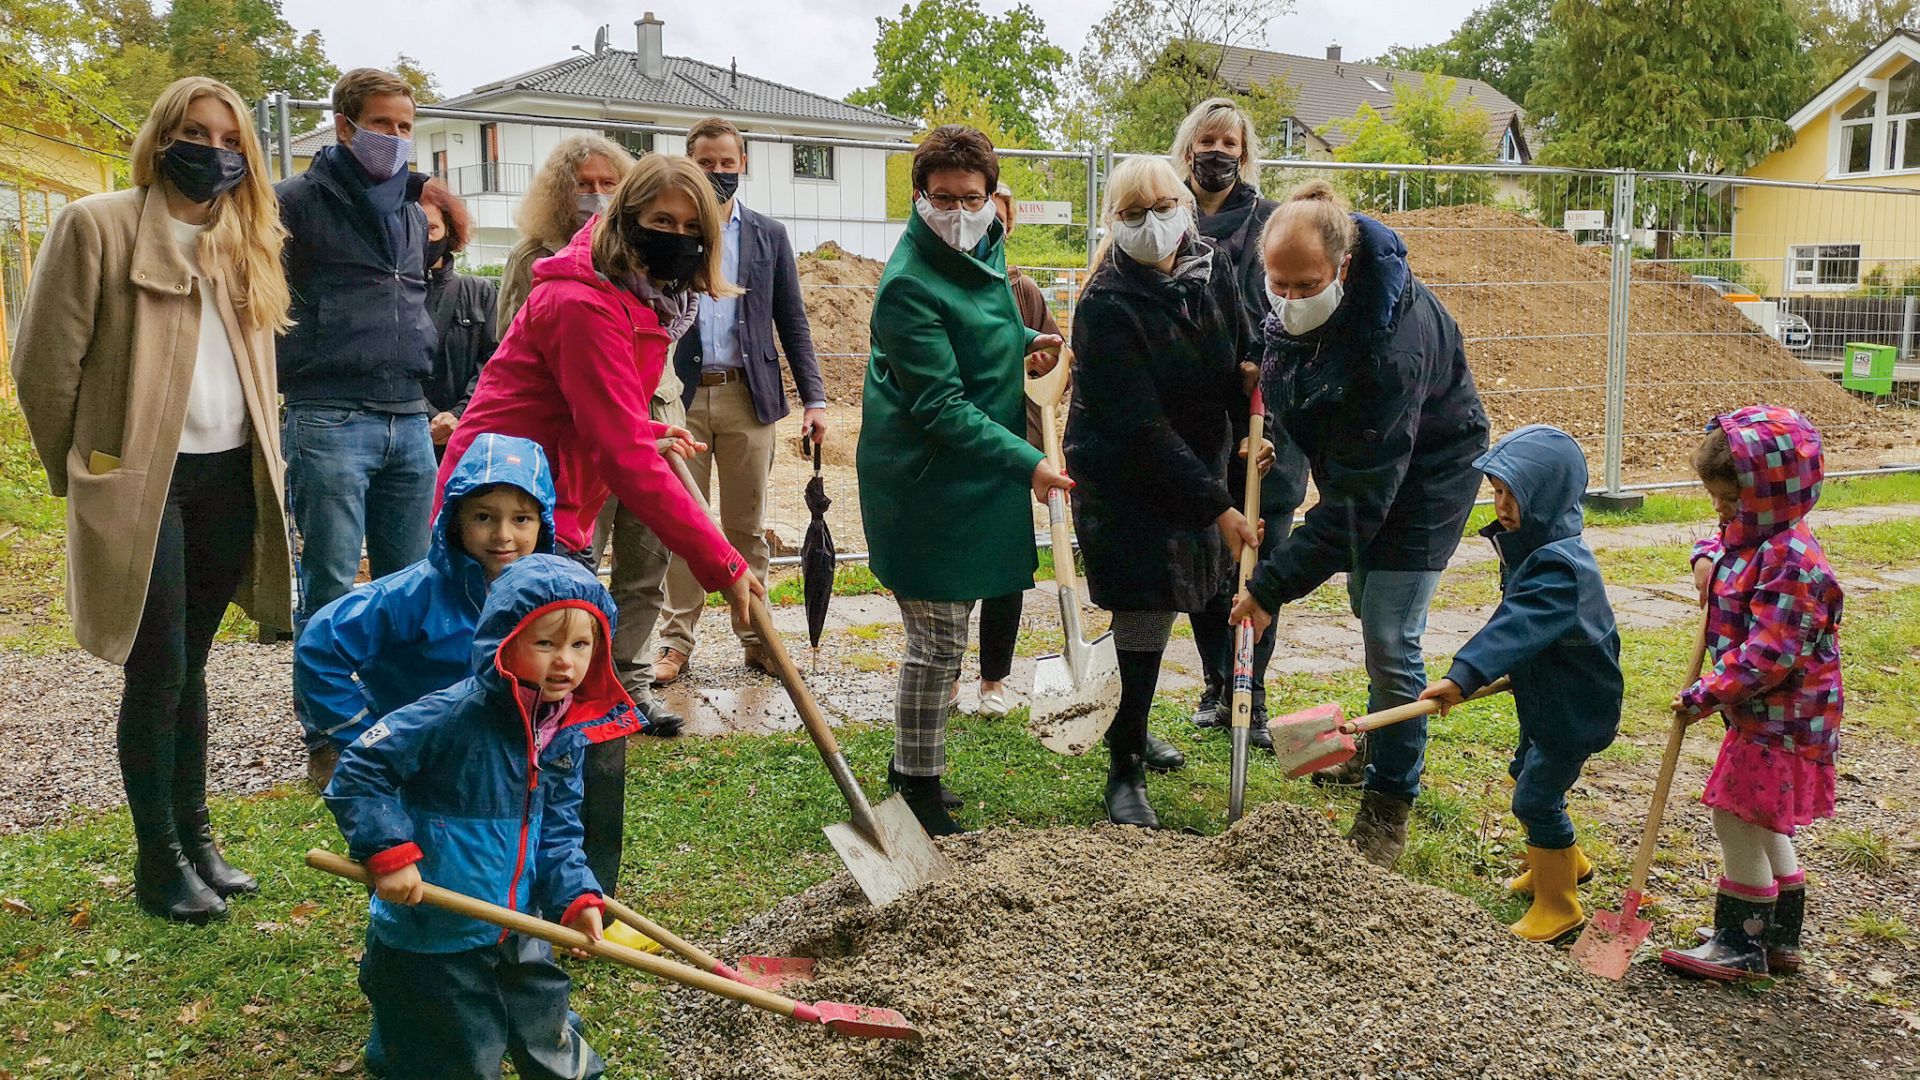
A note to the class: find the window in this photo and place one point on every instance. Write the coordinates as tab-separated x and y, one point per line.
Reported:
637	143
1823	266
811	161
1903	118
440	163
1509	147
1856	135
489	157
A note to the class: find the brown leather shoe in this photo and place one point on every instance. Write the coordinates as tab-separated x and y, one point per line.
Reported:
756	659
669	666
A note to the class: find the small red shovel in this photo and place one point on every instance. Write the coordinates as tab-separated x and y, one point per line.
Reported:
765	972
1322	737
859	1021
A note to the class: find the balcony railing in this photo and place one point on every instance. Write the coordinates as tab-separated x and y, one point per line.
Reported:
489	178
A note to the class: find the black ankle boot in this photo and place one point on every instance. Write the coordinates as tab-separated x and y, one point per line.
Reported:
1258	736
195	829
1162	756
165	884
1127	793
923	796
1738	947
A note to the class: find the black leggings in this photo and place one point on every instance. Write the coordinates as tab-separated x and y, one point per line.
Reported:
999	629
206	540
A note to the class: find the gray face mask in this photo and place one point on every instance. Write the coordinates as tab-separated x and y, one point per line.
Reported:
586	206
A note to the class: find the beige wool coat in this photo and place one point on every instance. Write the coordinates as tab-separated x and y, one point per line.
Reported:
104	359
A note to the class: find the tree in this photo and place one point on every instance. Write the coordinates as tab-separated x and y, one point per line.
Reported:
1147	63
1007	60
53	84
1839	32
250	46
1425	128
1496	44
1701	86
426	89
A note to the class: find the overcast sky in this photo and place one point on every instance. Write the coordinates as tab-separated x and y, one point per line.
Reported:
828	49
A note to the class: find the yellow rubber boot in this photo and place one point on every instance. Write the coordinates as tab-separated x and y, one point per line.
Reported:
621	934
1582	872
1556	909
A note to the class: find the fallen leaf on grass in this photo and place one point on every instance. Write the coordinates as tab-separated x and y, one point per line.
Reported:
15	906
303	911
82	919
107	881
20	1035
344	1066
192	1012
267	927
250	1009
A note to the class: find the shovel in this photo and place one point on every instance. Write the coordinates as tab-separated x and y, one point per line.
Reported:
1322	737
885	848
1607	945
765	972
859	1021
1077	690
1243	636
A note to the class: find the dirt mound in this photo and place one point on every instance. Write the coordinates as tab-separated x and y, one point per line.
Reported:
1269	951
1532	305
838	286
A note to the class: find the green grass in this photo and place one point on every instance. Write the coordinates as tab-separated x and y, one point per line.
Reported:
1882	927
99	989
1861	850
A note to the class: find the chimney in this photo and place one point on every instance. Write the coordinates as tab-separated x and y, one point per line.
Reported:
1333	53
653	61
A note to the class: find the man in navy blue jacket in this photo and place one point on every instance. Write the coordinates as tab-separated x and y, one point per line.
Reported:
1553	634
360	462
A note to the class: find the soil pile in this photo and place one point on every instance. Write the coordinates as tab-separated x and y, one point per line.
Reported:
1269	951
1532	305
837	287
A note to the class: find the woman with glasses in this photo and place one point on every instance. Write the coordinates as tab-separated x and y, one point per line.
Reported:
944	465
1159	395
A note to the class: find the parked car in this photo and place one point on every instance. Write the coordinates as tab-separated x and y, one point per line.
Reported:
1791	330
1795	333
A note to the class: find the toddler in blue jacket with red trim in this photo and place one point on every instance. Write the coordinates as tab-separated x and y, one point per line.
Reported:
477	788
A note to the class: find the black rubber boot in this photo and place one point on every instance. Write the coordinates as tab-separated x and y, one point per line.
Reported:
164	883
1380	828
1128	741
923	796
660	721
1126	795
1783	933
1161	755
195	829
603	811
1738	948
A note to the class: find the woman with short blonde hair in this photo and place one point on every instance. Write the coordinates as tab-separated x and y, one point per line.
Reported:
145	364
571	187
575	373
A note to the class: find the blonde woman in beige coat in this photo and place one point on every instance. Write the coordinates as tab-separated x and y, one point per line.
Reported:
145	362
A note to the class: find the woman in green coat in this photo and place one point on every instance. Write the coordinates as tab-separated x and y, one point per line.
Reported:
945	468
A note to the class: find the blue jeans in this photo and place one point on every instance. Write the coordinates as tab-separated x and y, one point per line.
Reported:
354	475
1392	608
1541	780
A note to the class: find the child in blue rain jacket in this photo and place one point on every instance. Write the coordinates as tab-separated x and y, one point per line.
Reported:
1554	635
477	788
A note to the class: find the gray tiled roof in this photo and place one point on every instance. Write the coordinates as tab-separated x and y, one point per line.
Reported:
1329	90
688	84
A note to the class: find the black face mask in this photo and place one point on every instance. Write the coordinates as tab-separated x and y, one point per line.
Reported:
1216	170
202	173
437	250
724	184
670	257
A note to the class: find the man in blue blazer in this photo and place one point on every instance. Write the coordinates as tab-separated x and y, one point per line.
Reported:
730	370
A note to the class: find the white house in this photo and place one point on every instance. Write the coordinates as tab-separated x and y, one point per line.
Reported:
819	191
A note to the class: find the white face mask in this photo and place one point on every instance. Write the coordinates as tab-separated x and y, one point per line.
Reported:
1309	313
585	206
1153	237
962	229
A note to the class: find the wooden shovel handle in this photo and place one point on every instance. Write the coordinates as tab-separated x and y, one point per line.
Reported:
694	954
1063	567
567	938
1256	428
1669	760
1399	713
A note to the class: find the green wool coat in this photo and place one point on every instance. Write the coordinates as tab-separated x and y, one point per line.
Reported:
945	468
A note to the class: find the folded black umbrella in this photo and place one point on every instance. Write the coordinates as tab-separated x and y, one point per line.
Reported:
817	557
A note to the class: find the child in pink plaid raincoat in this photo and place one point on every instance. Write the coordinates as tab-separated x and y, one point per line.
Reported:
1773	634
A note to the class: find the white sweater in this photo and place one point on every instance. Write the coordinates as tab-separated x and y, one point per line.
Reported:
216	405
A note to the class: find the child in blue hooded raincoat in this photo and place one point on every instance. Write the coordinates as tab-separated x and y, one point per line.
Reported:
1553	635
477	788
408	634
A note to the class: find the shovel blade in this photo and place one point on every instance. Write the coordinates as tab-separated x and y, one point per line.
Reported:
1607	945
1310	740
865	1021
1071	712
900	859
775	972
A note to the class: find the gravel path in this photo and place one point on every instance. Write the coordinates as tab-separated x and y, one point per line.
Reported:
1269	951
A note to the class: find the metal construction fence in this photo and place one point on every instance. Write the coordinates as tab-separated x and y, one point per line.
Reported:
1625	307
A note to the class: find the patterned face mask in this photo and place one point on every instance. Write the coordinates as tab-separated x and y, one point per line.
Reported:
381	155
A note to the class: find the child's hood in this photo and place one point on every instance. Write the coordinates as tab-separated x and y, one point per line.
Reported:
493	459
1778	458
1546	472
530	588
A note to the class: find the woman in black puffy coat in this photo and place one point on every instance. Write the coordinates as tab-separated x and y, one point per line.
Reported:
462	307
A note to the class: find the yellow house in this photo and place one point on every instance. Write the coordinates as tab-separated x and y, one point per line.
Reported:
40	173
1861	131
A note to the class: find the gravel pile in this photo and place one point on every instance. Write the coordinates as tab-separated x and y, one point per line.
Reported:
1269	951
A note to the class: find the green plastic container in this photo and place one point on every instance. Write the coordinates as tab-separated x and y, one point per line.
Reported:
1868	368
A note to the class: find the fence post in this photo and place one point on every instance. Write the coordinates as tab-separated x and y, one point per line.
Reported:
285	112
1619	300
1906	327
263	123
1401	199
1093	199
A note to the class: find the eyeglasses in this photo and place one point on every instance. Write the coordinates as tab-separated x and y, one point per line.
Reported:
953	202
1134	215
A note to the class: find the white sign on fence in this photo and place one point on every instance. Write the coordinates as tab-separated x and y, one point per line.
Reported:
1585	219
1035	212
